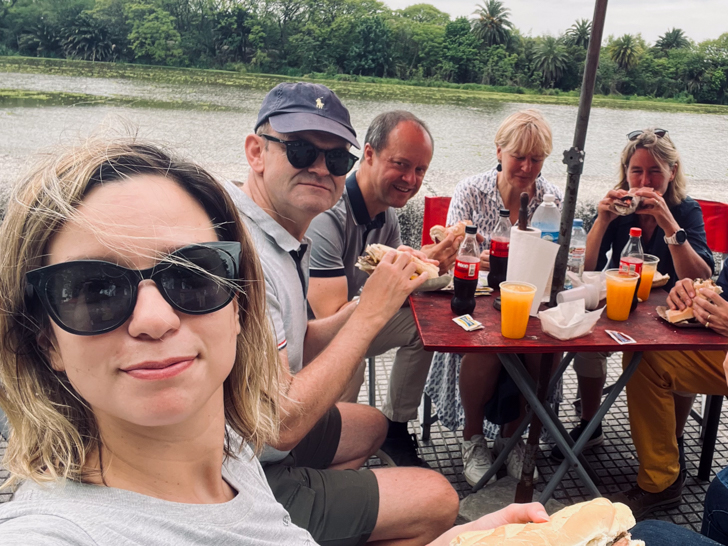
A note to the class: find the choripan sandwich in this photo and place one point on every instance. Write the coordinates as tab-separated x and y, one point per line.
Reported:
439	233
675	315
627	204
373	254
595	523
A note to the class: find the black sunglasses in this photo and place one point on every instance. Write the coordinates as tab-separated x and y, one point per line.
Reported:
90	297
302	154
659	133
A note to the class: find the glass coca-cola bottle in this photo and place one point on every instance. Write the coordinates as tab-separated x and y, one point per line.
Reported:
632	256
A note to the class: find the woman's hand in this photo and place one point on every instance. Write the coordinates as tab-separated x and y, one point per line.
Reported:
682	295
604	207
513	513
712	312
653	204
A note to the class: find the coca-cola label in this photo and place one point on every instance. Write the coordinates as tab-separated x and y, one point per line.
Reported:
499	248
629	264
468	271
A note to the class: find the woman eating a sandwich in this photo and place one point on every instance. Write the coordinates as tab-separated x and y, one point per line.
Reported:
651	195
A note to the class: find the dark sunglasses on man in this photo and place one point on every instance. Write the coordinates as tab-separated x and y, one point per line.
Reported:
302	154
91	297
659	133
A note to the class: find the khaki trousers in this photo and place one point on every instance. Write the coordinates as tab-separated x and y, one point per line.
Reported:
409	372
652	408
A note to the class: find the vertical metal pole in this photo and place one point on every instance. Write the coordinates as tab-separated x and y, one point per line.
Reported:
574	158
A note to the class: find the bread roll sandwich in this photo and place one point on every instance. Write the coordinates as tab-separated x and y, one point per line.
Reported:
627	204
439	233
595	523
373	254
675	315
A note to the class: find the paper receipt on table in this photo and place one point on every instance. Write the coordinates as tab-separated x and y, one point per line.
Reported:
619	337
468	323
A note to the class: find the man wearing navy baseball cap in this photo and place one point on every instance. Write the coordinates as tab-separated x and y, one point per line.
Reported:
299	157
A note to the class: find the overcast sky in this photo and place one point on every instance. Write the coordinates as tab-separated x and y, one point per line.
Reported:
700	19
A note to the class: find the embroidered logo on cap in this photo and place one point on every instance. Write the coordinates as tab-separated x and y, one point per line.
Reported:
319	104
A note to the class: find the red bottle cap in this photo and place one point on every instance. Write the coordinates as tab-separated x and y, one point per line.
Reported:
635	232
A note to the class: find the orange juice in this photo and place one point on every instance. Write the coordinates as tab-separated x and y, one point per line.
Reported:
649	266
516	300
620	292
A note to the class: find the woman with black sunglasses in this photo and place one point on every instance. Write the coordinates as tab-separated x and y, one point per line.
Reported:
672	229
138	370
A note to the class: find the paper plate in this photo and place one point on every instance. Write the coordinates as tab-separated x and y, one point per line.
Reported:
661	312
435	284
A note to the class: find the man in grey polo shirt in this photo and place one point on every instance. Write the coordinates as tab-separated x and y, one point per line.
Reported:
397	152
298	157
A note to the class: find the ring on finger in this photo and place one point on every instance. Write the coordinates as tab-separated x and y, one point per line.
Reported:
707	324
708	319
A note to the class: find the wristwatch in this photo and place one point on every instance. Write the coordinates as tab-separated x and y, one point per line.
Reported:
678	238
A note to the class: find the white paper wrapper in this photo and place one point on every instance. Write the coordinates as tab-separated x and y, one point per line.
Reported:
531	259
569	320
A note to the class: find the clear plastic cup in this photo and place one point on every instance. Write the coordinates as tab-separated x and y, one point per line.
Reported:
620	293
516	299
649	266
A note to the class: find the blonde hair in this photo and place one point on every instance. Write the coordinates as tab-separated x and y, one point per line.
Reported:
52	428
525	132
662	150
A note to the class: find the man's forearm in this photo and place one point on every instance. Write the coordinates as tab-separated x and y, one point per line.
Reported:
320	332
319	385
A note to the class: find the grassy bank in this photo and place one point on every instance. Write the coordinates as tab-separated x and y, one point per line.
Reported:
345	89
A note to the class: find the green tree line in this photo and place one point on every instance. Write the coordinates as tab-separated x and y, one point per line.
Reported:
362	39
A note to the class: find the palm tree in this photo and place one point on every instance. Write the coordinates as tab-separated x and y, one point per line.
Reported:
672	39
625	51
491	23
551	59
579	33
87	38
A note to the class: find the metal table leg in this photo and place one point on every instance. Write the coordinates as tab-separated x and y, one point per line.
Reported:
591	427
525	384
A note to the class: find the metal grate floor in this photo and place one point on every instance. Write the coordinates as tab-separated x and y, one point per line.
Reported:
615	462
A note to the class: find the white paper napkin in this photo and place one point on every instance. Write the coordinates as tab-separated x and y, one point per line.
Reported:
531	259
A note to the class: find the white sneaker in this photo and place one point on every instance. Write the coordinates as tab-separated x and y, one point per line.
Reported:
515	458
476	459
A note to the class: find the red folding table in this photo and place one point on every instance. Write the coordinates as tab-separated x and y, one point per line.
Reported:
439	333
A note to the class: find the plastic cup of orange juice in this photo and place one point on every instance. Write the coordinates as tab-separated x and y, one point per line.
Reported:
516	300
649	266
620	292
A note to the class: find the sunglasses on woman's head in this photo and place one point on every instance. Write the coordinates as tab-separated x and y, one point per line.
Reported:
659	133
90	297
302	154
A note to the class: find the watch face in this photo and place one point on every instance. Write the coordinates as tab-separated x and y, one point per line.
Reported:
681	236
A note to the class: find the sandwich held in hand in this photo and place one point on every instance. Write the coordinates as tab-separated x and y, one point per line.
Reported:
595	523
675	315
373	254
439	233
627	204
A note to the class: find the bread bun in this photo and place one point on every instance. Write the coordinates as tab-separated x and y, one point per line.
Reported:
373	254
439	233
594	523
675	315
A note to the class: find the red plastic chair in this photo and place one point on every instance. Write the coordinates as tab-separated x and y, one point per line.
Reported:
715	216
435	213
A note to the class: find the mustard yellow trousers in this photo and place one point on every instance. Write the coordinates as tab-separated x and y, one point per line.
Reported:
652	409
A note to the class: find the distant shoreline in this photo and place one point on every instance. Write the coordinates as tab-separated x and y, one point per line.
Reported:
346	89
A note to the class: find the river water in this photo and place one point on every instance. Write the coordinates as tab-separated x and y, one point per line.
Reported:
463	135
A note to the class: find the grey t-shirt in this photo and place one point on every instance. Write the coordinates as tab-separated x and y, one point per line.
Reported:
85	515
340	235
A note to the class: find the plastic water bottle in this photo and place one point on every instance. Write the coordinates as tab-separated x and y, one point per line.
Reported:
577	251
467	268
633	256
547	218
